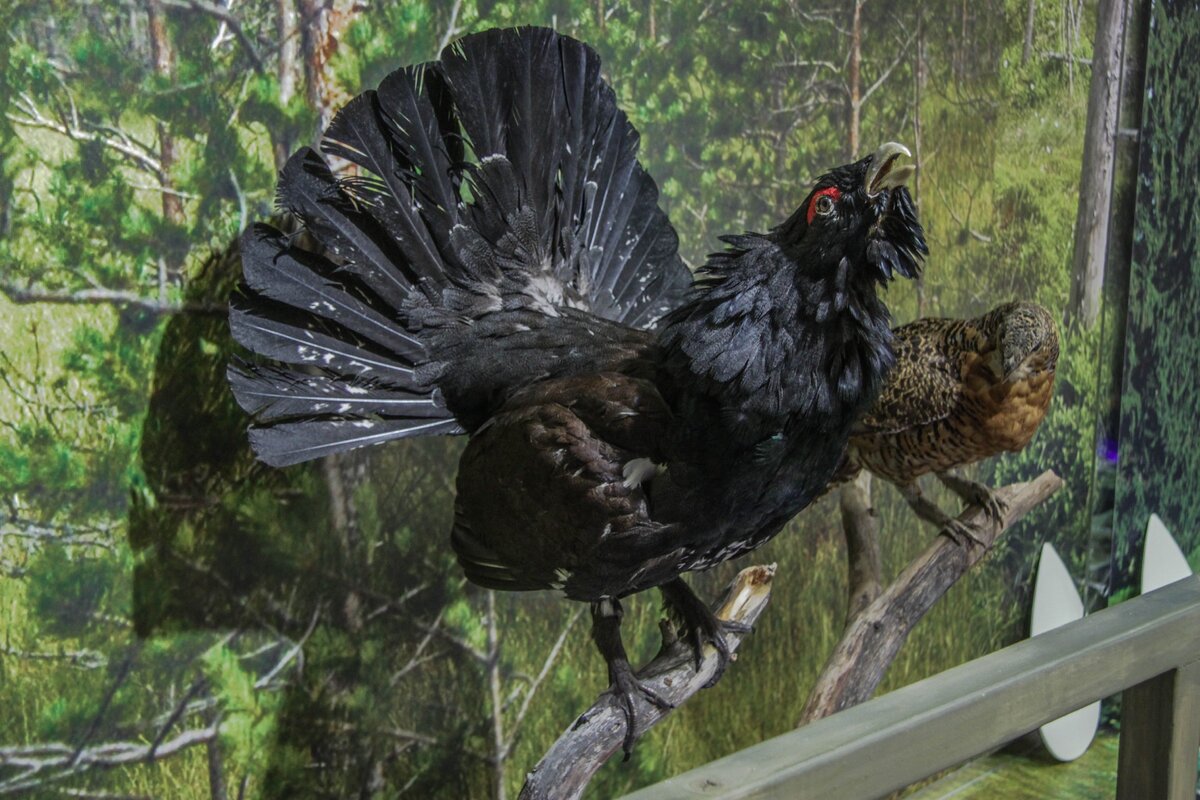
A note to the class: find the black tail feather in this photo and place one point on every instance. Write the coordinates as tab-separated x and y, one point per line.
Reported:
501	177
272	394
287	443
304	280
340	222
272	337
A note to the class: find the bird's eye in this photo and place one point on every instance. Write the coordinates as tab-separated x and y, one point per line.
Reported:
822	202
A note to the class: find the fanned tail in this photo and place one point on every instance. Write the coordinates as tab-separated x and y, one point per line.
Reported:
501	178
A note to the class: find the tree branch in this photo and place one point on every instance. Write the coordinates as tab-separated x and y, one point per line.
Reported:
115	297
564	772
870	90
874	636
59	533
118	141
861	527
1066	57
83	659
60	761
224	15
451	30
551	657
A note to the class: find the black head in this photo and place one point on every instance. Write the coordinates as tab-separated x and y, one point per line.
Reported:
860	212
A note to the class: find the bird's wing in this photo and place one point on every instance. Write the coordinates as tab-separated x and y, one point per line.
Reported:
499	182
566	442
924	386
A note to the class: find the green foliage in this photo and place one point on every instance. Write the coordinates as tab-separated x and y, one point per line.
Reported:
739	105
248	714
67	591
1159	463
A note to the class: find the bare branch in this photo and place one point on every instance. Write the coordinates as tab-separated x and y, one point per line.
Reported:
160	189
463	645
410	736
83	659
497	708
46	763
32	117
294	652
870	90
227	17
874	636
180	709
551	657
1066	57
976	235
59	533
418	656
564	772
451	30
114	297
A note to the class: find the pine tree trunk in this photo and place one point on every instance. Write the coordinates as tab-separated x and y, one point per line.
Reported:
1027	51
321	23
1096	179
854	108
163	56
286	70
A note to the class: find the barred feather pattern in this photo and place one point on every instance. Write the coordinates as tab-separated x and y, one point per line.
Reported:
499	181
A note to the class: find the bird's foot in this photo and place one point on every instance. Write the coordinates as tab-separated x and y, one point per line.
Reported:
957	532
623	684
992	504
976	494
623	688
701	626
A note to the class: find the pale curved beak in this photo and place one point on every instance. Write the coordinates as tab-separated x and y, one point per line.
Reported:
883	172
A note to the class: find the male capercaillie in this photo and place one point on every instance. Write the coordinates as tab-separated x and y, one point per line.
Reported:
499	266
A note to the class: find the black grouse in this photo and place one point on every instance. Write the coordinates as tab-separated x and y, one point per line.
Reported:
495	263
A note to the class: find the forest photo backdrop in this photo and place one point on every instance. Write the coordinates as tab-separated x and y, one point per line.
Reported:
179	621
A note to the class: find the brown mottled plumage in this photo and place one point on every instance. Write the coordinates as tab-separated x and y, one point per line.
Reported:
961	391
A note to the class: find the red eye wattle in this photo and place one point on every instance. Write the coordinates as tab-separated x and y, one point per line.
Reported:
831	192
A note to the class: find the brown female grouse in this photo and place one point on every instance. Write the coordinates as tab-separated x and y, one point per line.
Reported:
498	266
962	390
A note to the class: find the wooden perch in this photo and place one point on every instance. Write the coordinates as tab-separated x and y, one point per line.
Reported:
565	771
875	634
861	527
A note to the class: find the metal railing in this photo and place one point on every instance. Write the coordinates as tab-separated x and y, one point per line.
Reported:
1149	647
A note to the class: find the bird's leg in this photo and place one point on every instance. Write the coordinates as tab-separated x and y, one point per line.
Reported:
700	624
606	632
927	510
974	493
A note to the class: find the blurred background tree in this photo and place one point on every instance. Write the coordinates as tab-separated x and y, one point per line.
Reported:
239	631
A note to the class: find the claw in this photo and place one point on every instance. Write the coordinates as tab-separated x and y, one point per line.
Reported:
956	532
624	685
701	626
988	500
976	494
995	507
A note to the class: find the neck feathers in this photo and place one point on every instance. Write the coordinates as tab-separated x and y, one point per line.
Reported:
779	347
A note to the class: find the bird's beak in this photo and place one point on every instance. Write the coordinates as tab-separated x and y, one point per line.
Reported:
883	174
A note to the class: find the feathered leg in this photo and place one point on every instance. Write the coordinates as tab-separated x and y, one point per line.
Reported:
927	510
700	624
974	493
606	632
